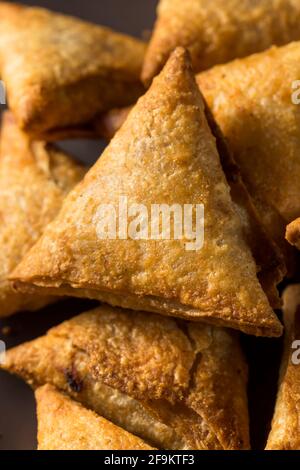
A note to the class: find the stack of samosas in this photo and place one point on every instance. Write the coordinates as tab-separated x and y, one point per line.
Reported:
194	120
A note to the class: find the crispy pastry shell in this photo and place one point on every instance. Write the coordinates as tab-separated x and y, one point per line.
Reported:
64	424
60	72
176	385
34	179
251	100
218	31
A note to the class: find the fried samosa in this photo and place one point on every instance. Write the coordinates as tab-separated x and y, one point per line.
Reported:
175	384
164	154
60	72
252	101
34	179
64	424
285	431
218	31
269	259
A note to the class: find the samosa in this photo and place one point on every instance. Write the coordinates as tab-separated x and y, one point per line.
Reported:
60	72
164	157
34	179
293	233
218	31
64	424
174	384
254	104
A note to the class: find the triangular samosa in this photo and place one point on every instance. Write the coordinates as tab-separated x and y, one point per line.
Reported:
285	431
269	259
34	179
255	106
218	31
64	424
164	156
177	385
60	72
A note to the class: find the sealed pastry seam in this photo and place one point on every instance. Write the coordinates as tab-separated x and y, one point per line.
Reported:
215	315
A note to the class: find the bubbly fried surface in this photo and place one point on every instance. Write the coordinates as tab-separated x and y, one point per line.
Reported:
218	31
176	385
285	431
34	179
64	424
60	71
164	153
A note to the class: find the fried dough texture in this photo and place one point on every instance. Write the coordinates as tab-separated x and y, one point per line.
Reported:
64	424
176	385
35	177
216	32
60	72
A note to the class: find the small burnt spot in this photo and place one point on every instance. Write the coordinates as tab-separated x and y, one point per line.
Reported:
73	380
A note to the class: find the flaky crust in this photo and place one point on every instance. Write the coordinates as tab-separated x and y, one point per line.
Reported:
285	432
60	71
178	166
218	31
64	424
252	103
34	179
293	233
176	385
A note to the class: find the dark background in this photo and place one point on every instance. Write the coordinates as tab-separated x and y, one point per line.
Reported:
17	408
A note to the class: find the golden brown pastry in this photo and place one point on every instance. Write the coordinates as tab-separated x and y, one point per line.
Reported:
64	424
285	432
176	385
163	154
218	31
293	233
60	71
34	179
269	259
251	100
